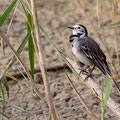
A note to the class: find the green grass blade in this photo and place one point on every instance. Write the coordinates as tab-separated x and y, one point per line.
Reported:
50	116
3	116
102	101
113	25
30	44
25	7
19	50
6	13
3	95
108	91
26	11
5	83
59	53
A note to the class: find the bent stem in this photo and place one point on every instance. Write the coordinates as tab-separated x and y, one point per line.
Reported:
89	112
41	61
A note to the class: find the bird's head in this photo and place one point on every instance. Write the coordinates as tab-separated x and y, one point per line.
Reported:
79	30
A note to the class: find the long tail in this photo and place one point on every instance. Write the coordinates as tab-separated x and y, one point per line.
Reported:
116	85
110	74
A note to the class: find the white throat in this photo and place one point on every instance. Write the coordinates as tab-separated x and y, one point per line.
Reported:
81	34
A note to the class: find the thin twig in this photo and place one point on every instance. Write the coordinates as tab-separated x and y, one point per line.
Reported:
83	12
100	22
81	100
12	18
100	25
41	61
113	18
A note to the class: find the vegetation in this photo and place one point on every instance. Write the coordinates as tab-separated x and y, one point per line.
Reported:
33	38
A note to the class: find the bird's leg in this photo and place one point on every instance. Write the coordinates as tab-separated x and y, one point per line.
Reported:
83	70
89	74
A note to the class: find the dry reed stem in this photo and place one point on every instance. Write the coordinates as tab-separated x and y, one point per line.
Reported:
118	3
89	112
25	68
100	25
78	3
12	18
113	18
41	61
100	22
95	88
3	47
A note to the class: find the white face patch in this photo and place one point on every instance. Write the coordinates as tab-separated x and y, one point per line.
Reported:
78	29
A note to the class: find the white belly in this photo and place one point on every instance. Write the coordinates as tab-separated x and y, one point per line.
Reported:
81	57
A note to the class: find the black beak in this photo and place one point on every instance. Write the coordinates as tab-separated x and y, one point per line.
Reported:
70	27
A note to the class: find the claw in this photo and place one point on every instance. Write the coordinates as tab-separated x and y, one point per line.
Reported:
82	71
86	78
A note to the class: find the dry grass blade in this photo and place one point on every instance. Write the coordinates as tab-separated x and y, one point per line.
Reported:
95	88
41	61
31	84
18	58
82	101
12	77
100	22
118	3
3	47
100	25
113	18
12	18
78	3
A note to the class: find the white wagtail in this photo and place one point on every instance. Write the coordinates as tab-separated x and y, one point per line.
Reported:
88	51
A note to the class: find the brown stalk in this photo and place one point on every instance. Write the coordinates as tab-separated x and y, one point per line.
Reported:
100	25
89	112
83	12
12	18
41	61
24	66
113	18
95	88
118	3
100	22
3	47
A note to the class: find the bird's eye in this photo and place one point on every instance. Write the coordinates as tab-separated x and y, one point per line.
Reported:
78	27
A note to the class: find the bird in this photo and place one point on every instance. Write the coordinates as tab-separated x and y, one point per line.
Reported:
88	51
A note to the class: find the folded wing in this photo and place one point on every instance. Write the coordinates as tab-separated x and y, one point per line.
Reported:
93	52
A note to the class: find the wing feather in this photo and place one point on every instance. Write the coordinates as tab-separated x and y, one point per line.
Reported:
96	59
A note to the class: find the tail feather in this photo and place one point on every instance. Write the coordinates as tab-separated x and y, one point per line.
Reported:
116	85
106	70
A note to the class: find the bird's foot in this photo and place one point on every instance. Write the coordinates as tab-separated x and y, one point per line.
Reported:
82	71
88	75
